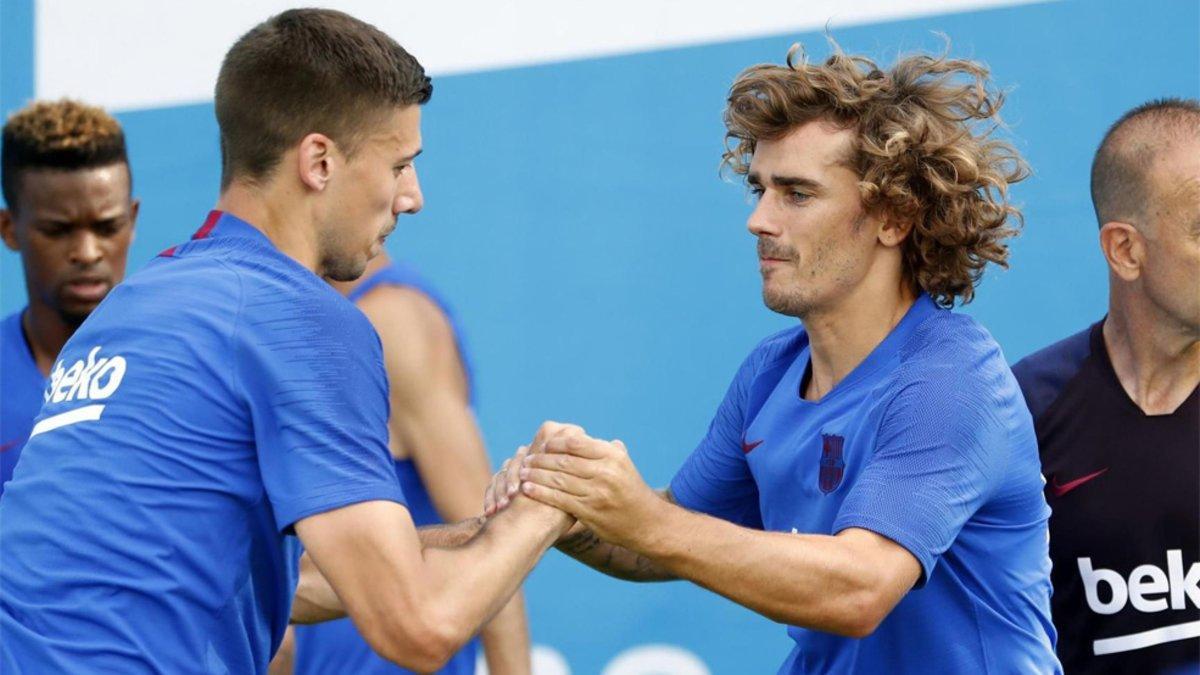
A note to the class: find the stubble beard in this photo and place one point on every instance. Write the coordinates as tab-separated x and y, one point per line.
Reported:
793	303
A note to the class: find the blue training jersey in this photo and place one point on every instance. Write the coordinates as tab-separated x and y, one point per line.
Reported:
211	401
928	443
21	385
335	647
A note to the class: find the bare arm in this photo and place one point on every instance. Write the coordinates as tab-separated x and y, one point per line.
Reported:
417	608
315	600
582	544
433	422
844	584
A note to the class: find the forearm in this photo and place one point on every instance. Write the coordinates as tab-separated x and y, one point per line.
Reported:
616	561
506	640
315	600
469	585
814	581
452	535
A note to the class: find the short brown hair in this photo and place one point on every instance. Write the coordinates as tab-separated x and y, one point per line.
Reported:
305	71
64	135
1121	188
924	151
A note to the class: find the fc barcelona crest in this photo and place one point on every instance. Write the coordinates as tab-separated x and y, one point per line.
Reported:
832	464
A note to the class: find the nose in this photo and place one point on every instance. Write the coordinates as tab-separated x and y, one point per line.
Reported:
86	249
761	223
408	198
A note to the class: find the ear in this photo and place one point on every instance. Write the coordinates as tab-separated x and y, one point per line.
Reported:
8	230
1124	248
134	207
894	230
316	160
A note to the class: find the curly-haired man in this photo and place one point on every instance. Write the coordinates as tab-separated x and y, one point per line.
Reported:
871	478
70	214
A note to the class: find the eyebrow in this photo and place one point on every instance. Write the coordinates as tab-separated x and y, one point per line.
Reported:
413	156
785	181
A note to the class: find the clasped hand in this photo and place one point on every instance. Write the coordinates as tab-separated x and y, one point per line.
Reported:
593	480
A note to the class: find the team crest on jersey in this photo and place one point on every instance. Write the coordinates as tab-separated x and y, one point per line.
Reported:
832	464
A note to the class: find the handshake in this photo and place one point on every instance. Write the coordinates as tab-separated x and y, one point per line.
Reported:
592	480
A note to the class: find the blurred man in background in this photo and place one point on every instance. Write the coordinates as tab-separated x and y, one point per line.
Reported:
440	459
70	215
1117	413
871	477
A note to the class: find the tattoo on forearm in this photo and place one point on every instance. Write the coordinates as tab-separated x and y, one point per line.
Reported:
581	543
610	559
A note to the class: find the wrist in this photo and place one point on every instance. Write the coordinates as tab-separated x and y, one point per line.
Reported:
654	528
553	519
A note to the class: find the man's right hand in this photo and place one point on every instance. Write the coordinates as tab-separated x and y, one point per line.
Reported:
506	484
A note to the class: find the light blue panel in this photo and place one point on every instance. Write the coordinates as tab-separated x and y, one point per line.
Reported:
16	89
16	54
575	217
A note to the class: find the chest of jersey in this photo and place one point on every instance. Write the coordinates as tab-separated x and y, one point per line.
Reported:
806	455
1125	533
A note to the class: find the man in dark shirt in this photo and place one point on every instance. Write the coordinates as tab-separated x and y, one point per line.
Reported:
1117	416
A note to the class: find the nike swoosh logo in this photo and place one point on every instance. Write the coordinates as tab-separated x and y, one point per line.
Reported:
748	447
1063	488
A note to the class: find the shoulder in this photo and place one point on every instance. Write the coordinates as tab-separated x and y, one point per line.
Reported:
416	336
951	347
272	306
406	315
1044	374
951	362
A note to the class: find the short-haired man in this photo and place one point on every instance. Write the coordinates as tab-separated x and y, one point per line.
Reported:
1117	412
225	396
70	215
871	478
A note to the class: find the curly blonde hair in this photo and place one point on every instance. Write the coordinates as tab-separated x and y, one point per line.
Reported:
925	151
62	134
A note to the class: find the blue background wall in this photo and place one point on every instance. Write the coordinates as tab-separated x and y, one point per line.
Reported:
575	216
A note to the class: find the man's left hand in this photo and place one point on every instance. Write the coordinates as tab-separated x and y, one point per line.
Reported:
596	482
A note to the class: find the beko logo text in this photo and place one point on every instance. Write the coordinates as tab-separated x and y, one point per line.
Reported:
87	380
1148	589
95	379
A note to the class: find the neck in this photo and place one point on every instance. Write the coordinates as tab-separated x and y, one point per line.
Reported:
46	332
1156	360
280	214
842	336
377	263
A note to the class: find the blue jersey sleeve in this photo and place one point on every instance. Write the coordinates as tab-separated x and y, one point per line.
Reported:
715	479
940	452
312	373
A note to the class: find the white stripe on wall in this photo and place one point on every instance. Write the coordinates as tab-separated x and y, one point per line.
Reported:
130	54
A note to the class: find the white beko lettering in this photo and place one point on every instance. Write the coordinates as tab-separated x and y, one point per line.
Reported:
1149	589
94	379
1145	587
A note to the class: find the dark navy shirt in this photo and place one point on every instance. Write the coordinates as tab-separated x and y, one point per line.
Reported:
926	442
21	387
211	401
1124	488
336	647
